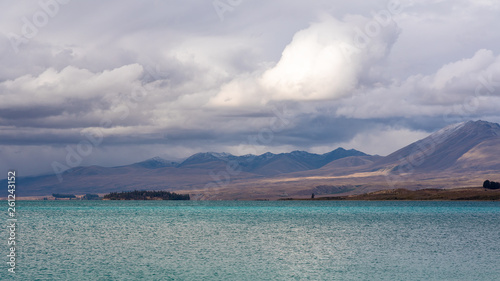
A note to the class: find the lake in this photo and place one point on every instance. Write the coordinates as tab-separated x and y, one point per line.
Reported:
236	240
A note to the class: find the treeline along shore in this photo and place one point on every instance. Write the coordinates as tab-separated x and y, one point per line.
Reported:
145	195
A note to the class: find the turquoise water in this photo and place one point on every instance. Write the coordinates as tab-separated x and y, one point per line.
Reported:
292	240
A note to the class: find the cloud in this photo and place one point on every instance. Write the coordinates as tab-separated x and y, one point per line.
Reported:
463	89
325	61
314	65
55	87
384	140
77	95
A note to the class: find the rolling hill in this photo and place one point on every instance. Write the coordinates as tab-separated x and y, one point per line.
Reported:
442	149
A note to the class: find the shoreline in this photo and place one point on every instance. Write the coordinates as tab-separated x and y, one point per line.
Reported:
431	194
456	194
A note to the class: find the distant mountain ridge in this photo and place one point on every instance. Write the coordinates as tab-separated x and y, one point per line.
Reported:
459	155
259	164
155	163
197	170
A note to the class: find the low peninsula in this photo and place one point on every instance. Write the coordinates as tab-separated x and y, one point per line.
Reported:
145	195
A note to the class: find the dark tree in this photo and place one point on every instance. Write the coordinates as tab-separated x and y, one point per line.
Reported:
89	196
491	184
58	195
486	184
146	195
495	185
312	196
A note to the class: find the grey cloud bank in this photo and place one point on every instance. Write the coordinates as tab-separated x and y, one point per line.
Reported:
172	79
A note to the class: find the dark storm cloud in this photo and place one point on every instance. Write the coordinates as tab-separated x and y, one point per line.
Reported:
37	137
11	114
323	130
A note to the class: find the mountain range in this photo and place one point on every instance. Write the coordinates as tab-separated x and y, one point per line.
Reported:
460	155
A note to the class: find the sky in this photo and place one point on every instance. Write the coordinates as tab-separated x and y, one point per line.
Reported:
116	82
